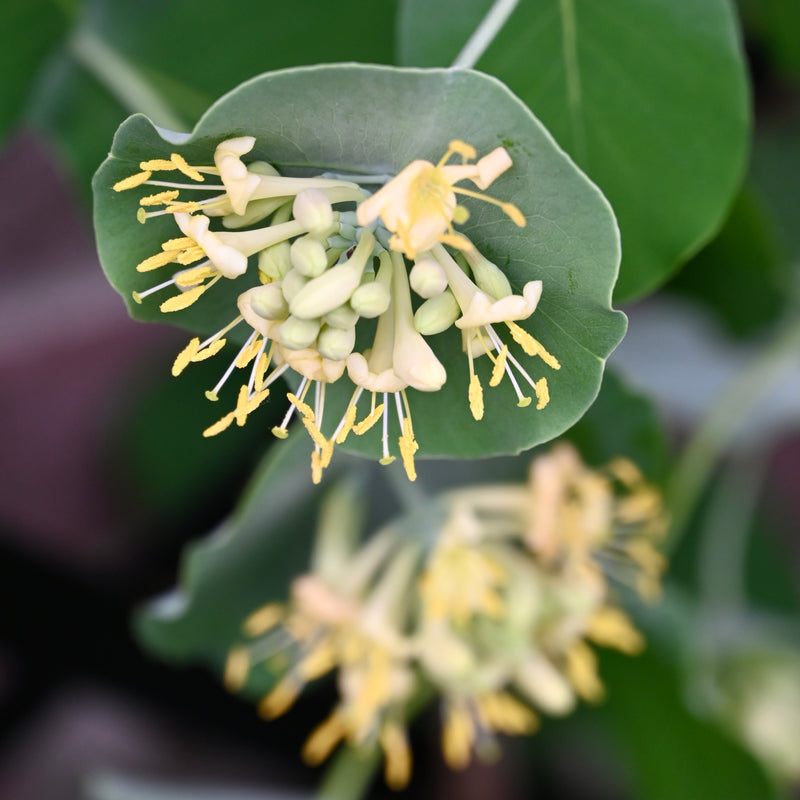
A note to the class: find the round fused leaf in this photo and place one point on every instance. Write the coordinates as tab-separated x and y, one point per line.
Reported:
650	97
376	120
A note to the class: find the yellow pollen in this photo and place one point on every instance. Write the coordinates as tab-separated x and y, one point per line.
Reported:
349	421
156	261
323	739
237	666
159	199
475	397
457	737
611	627
502	712
183	300
327	454
249	353
181	243
499	366
625	471
280	433
256	400
263	619
542	393
240	412
134	180
315	433
531	346
316	467
408	446
185	357
209	351
397	770
369	421
157	165
280	699
219	425
190	255
194	276
302	407
189	207
581	670
190	172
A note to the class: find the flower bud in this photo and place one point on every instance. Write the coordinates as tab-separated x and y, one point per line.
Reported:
308	256
292	284
488	276
274	261
437	314
297	334
342	317
313	211
336	343
427	278
371	299
268	301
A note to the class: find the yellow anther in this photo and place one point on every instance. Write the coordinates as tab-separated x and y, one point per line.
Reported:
256	400
181	243
261	369
190	255
514	213
190	172
462	148
159	199
315	433
581	670
327	454
611	627
249	353
397	770
407	449
156	261
185	357
134	180
475	397
532	346
194	276
458	735
542	393
625	471
369	421
302	407
349	421
157	165
499	366
316	467
323	739
237	666
263	619
280	699
317	663
457	240
280	433
183	300
240	412
219	425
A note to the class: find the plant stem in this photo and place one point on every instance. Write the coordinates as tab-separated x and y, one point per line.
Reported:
714	433
350	774
122	79
484	34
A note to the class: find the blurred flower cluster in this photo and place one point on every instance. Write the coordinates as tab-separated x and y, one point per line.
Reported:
489	596
322	270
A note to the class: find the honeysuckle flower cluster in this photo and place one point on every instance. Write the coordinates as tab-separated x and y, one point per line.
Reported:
316	256
491	596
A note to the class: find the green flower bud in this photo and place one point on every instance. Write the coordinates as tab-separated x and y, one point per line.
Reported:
489	277
427	278
308	256
372	297
313	211
437	314
268	301
292	284
336	343
275	261
297	334
342	317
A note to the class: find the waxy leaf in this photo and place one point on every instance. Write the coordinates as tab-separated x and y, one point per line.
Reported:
376	120
648	96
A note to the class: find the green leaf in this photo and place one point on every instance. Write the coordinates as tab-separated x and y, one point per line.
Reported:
345	118
28	31
648	96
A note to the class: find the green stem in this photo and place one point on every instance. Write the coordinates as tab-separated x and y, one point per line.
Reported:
122	79
714	433
350	774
